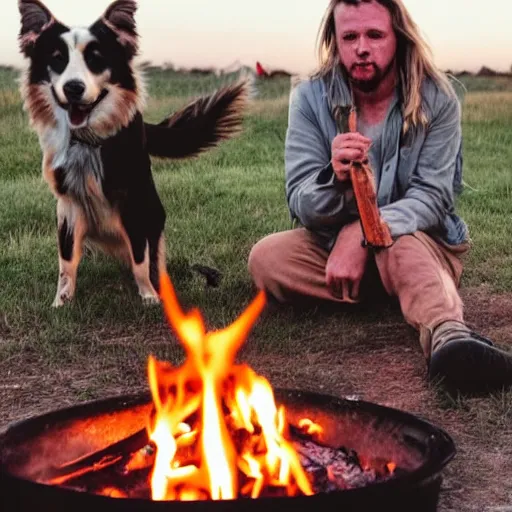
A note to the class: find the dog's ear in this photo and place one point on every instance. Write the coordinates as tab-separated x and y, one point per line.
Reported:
120	17
35	17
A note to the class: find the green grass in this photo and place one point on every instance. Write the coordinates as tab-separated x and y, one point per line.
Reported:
217	206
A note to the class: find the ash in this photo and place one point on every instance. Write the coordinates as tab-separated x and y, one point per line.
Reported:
332	469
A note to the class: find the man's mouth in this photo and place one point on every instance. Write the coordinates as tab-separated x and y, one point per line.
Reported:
363	65
79	112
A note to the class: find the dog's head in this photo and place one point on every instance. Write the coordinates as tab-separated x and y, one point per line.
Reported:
84	74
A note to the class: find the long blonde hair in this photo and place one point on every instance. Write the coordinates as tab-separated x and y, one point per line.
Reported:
414	57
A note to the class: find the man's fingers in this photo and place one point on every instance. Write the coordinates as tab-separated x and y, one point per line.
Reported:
329	281
356	144
346	295
354	136
361	146
355	289
345	289
342	175
348	154
334	285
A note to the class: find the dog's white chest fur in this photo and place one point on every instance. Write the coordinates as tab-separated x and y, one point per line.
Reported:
79	164
83	167
82	172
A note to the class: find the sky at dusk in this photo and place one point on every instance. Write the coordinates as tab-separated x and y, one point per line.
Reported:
464	34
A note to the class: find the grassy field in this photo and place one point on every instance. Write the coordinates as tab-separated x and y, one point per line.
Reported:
217	207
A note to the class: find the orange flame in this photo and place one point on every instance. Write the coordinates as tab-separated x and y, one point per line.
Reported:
216	427
310	427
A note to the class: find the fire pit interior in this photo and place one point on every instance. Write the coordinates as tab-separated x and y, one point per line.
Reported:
212	434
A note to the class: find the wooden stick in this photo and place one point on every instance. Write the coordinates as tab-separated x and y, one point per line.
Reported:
96	461
375	230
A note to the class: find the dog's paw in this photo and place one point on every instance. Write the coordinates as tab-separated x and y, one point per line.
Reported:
61	299
65	290
150	300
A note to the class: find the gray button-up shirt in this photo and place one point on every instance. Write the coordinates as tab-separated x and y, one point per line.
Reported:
416	184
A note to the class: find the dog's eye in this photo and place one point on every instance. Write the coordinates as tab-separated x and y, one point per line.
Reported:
95	60
58	60
57	55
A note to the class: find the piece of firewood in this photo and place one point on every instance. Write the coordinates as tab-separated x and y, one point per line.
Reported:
113	454
375	230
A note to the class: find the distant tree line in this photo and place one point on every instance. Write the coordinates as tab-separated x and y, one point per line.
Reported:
258	69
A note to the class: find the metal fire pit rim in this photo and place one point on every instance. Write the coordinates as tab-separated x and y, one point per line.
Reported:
427	472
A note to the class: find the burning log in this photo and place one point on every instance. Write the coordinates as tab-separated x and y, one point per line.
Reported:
115	454
335	470
122	470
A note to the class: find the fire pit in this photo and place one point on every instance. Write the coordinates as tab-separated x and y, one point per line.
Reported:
213	435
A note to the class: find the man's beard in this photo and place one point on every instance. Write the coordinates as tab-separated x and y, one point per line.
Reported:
372	84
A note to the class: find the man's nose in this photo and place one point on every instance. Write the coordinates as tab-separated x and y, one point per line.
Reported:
362	48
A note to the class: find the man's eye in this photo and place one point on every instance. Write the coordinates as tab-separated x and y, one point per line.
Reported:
375	35
349	37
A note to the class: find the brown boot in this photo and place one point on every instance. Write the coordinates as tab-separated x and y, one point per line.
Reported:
466	362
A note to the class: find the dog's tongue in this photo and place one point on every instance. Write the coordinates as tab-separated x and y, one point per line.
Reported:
77	115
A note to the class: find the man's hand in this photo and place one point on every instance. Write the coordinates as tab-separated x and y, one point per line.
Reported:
346	263
346	148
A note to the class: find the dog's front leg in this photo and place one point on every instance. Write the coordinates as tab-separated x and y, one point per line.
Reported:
140	258
141	273
71	232
156	258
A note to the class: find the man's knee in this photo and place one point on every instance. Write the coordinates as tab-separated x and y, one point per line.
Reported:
394	261
275	259
262	261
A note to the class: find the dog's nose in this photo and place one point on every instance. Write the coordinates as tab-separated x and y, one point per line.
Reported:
74	90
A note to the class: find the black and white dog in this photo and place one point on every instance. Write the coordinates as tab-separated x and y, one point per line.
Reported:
85	97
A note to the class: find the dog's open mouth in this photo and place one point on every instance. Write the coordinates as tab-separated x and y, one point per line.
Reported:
79	112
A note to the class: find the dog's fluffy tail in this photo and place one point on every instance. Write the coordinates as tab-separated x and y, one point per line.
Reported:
200	125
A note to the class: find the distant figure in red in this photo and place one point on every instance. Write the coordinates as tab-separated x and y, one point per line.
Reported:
260	71
263	73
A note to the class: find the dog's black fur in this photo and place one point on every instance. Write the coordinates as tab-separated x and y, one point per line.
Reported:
85	97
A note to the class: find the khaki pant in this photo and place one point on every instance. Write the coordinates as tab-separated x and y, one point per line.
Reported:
421	272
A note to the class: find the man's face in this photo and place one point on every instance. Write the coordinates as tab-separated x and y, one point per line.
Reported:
366	43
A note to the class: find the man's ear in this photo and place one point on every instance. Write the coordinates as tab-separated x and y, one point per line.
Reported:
35	18
120	17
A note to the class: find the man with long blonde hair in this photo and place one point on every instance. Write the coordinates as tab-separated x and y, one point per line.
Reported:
373	59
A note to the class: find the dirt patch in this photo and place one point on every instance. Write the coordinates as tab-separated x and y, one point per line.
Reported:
481	474
380	362
489	314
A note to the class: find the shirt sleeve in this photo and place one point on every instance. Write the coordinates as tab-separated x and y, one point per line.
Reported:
429	196
315	197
